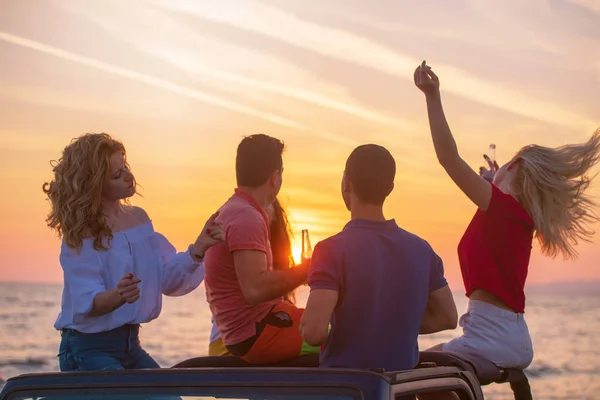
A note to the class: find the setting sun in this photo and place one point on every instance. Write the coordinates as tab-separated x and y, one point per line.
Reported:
297	254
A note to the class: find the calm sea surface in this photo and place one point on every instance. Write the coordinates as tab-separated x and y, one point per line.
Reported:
565	327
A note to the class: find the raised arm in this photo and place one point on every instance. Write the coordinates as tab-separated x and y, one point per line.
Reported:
474	186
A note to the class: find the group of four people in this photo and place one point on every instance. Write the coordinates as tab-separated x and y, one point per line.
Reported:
374	287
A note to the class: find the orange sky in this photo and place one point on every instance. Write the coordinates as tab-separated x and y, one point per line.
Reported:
180	82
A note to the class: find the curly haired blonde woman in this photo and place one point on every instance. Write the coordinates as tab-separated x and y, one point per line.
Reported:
540	193
116	267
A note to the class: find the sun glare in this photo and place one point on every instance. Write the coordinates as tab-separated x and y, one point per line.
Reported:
297	254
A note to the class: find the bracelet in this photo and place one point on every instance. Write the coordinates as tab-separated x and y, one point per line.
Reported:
195	257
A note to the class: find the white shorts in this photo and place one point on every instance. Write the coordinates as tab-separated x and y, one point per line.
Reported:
498	335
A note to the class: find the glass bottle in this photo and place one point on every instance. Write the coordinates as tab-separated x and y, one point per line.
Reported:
306	247
492	152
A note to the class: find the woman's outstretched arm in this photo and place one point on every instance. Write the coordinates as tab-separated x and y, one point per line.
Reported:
473	185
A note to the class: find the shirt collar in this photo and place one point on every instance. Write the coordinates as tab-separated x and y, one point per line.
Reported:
371	224
242	194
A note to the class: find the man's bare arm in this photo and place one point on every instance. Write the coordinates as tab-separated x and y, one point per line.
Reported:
258	284
441	313
317	316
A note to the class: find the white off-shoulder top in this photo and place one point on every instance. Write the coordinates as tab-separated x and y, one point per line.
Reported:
139	250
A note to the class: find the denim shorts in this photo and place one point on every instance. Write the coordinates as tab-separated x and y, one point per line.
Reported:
115	349
498	335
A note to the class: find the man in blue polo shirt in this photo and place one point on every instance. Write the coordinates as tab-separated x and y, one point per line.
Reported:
378	285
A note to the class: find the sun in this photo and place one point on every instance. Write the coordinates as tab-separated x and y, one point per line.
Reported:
296	254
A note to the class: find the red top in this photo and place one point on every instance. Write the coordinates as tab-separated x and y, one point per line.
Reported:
494	252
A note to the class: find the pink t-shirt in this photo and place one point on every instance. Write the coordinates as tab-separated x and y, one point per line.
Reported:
246	228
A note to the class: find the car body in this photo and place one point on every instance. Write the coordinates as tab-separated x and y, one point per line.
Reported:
242	383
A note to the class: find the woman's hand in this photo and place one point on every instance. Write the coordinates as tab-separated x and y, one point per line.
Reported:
426	80
128	289
488	174
211	234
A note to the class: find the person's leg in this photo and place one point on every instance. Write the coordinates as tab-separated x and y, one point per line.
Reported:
437	347
500	336
280	339
455	343
93	351
65	356
217	348
438	395
307	349
440	346
526	344
137	357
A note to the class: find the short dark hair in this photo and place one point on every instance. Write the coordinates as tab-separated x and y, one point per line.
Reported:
371	170
258	156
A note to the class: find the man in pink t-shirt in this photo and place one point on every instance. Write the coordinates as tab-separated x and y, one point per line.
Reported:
244	294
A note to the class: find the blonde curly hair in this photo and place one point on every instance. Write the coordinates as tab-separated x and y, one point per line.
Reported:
551	184
75	193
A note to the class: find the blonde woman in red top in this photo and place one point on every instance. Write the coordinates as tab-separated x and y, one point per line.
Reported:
540	193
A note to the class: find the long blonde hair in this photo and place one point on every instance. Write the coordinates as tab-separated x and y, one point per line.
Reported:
551	184
75	193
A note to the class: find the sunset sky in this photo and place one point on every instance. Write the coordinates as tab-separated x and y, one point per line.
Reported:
181	82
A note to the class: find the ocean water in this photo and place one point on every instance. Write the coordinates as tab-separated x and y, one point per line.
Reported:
564	325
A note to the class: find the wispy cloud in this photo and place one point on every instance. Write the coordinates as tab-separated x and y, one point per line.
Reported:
353	48
43	96
161	36
591	5
169	86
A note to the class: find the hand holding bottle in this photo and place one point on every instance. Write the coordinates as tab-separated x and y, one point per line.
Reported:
488	174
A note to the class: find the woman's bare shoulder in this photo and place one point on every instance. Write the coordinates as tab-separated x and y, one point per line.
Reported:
138	214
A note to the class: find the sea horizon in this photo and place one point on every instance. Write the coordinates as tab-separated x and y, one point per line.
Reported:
578	286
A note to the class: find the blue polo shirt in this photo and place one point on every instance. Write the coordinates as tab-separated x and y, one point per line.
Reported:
384	275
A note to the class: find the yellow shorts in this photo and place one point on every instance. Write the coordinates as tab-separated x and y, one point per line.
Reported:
217	348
